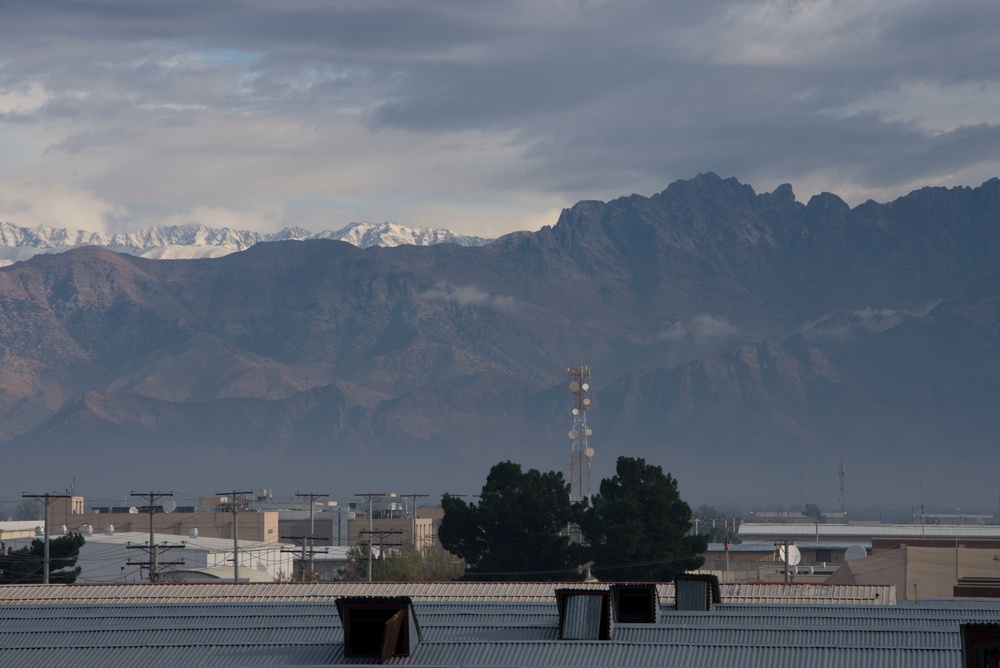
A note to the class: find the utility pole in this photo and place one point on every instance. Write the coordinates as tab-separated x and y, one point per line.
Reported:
151	499
786	556
382	533
414	497
46	499
843	509
370	496
304	541
235	506
312	496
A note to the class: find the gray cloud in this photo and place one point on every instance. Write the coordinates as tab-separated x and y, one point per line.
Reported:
852	324
467	296
701	330
484	116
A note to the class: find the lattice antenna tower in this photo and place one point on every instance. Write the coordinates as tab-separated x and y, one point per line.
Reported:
580	454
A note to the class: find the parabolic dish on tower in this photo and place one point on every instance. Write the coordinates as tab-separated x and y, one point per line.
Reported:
573	434
794	556
855	552
574	386
589	451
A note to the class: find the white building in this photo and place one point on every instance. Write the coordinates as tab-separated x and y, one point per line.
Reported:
111	556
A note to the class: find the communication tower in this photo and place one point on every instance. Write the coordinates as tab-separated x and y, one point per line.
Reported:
580	454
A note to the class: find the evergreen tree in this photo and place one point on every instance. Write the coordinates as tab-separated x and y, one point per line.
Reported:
638	528
25	566
517	529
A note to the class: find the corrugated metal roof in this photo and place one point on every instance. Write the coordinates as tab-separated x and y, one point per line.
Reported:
463	633
808	593
588	653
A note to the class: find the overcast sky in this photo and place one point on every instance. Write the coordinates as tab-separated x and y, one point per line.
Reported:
482	117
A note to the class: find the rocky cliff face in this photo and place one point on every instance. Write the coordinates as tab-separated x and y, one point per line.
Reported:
745	341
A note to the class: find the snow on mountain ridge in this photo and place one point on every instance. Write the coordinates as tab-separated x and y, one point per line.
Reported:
197	241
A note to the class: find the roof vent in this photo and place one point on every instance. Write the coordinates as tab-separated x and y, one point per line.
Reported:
584	614
63	530
193	532
696	592
980	644
636	603
109	530
378	626
87	529
39	531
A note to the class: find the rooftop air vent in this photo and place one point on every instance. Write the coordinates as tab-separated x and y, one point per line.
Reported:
980	645
584	614
696	592
380	627
636	603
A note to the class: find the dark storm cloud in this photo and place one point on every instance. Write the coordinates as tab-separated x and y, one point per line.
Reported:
552	101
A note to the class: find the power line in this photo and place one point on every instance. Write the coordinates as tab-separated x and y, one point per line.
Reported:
370	496
235	505
312	496
382	533
153	548
414	512
48	498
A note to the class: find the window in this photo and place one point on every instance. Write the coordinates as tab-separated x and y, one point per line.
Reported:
636	603
696	592
584	614
981	645
380	627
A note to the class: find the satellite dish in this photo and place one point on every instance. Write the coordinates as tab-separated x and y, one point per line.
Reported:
573	435
589	432
585	387
169	506
574	386
589	452
855	552
794	556
586	402
576	411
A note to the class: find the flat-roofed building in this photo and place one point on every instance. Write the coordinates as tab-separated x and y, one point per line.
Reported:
212	521
112	556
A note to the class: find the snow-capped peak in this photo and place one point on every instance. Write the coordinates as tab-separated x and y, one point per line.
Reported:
196	241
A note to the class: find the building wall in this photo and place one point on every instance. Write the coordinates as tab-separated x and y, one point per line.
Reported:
358	528
104	561
259	526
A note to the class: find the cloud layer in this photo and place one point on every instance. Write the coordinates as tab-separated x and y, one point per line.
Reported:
480	117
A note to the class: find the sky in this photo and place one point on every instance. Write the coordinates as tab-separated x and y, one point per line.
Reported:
479	117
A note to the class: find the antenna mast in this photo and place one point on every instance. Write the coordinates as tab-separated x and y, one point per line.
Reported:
580	454
843	512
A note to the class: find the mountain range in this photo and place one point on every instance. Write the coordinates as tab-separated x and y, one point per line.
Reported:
744	341
179	242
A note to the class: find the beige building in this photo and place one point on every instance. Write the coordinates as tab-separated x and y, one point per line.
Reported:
20	529
919	571
392	532
252	525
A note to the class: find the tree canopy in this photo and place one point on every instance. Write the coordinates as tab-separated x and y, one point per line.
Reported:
638	528
406	564
25	566
517	529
